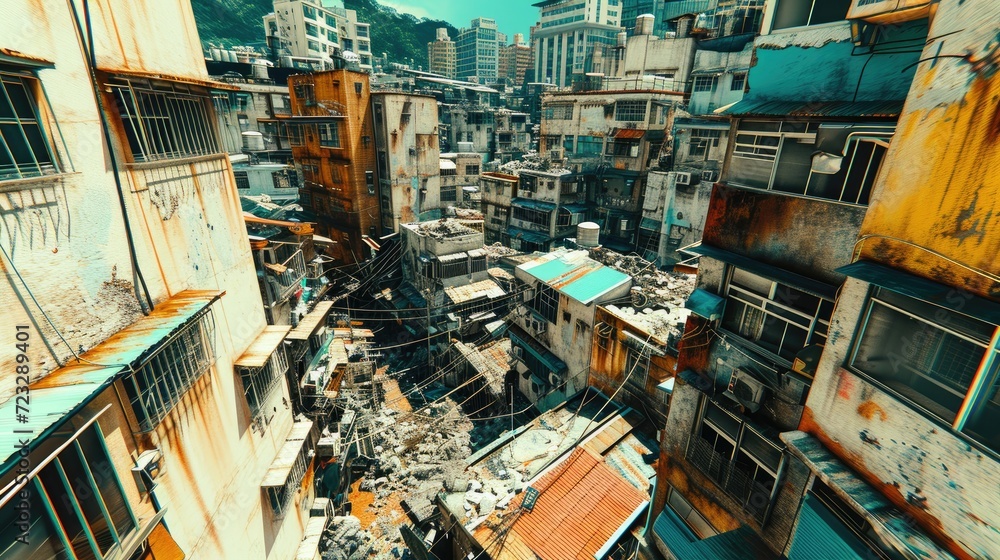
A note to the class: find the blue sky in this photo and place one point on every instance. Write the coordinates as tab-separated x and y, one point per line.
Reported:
513	16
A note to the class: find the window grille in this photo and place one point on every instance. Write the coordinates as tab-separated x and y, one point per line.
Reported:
25	150
630	111
165	122
259	383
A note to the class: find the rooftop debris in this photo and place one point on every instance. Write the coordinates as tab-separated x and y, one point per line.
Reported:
444	228
652	287
531	161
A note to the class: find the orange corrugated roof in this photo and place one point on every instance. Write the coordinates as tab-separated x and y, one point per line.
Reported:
582	503
629	133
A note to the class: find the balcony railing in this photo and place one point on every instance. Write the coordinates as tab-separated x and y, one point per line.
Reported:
283	284
754	497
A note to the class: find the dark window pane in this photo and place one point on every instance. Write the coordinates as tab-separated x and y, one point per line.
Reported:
43	543
62	503
87	498
108	486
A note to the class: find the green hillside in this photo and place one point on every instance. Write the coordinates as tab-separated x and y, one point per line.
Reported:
239	22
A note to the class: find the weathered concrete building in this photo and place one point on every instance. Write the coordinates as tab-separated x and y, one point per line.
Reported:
514	60
496	191
134	324
903	407
406	139
782	223
332	137
441	54
317	30
552	334
459	179
674	210
547	209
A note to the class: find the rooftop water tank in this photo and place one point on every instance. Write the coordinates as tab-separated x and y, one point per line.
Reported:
644	24
588	234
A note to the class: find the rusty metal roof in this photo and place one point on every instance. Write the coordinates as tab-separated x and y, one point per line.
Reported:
311	322
629	133
17	57
61	393
581	506
482	289
257	354
146	75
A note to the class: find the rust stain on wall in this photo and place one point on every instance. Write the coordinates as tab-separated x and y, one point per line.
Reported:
870	409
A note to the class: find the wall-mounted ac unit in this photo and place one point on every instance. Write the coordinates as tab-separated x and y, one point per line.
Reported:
555	155
517	351
746	390
148	467
683	178
539	326
709	175
554	379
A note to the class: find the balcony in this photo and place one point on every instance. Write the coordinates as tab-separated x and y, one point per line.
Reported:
283	279
752	496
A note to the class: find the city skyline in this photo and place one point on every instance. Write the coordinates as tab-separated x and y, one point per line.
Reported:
460	13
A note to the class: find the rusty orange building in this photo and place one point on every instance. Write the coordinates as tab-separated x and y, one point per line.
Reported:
333	142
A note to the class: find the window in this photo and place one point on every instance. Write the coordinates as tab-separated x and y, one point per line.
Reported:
623	148
472	170
81	491
165	122
331	21
797	13
694	520
283	480
242	179
159	384
312	31
630	111
260	382
294	134
704	83
331	36
329	135
702	140
739	81
313	46
537	219
24	149
589	145
449	193
546	302
558	111
637	367
738	457
776	317
308	12
932	356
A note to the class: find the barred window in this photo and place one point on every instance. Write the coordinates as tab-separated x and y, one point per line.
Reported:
259	383
546	302
242	179
165	122
449	193
739	81
159	384
24	148
559	112
704	83
632	111
312	30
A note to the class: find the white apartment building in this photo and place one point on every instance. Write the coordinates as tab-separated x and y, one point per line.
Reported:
317	29
566	35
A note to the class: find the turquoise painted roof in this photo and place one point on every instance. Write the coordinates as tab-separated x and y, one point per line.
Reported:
584	279
63	392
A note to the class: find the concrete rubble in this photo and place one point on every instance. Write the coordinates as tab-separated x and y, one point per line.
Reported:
652	287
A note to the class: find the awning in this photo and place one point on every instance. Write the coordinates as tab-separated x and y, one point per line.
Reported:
675	540
528	235
925	290
819	534
705	304
63	392
775	273
867	502
191	80
309	324
298	228
871	109
283	462
261	349
323	240
533	204
667	386
628	133
453	257
16	57
548	359
448	164
574	208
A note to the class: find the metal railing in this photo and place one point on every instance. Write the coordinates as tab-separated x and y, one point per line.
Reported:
283	284
754	497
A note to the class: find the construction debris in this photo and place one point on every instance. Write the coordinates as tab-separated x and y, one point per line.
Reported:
652	287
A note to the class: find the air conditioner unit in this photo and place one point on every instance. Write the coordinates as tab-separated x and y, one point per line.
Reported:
709	176
148	467
683	179
555	154
517	351
539	326
746	390
554	379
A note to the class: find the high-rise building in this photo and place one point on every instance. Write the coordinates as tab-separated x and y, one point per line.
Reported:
317	29
441	54
567	33
476	51
514	60
332	138
159	423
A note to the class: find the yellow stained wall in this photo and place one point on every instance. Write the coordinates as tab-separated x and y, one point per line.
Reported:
937	198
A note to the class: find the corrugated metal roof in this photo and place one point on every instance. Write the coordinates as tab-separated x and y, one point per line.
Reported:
750	108
582	504
527	235
308	324
575	275
533	204
629	133
263	346
738	544
819	534
482	289
61	393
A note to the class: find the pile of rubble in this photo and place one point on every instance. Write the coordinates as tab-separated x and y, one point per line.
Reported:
653	287
497	251
531	161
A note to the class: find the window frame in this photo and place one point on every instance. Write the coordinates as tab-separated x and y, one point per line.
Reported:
36	98
631	110
545	303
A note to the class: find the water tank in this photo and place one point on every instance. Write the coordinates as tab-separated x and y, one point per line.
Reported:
260	70
253	141
466	147
622	39
216	54
231	56
644	24
588	234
